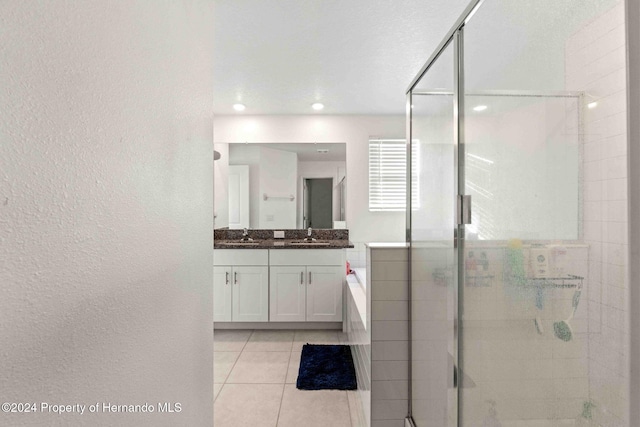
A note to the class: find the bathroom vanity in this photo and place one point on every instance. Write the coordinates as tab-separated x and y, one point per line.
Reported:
279	282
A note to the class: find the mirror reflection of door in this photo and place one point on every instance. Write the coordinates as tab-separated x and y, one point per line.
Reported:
305	204
238	196
318	202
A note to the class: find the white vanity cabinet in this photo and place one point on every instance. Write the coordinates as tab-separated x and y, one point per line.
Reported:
287	294
241	285
324	293
222	293
306	285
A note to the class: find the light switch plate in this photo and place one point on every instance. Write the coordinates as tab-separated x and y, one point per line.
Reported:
278	234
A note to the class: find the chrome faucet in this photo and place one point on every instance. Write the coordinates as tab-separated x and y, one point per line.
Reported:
309	238
245	236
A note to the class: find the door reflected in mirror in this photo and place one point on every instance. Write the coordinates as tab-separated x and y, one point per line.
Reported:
280	185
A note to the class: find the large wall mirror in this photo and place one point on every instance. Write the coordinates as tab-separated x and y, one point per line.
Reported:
280	185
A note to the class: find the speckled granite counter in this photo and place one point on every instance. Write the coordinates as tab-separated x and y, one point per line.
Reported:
293	239
282	244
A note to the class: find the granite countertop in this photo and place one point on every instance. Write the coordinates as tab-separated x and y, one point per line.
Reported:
282	244
293	239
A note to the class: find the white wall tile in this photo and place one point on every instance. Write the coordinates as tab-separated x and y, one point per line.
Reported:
389	350
387	330
390	310
390	370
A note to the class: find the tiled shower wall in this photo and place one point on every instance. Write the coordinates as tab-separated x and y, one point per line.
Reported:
595	64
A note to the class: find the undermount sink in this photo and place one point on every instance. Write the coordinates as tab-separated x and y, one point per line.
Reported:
238	243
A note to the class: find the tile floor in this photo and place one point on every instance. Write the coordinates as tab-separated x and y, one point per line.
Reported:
255	374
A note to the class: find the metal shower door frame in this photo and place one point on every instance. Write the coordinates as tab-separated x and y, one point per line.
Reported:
455	36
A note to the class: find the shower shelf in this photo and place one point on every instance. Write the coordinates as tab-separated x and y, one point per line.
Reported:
564	282
443	277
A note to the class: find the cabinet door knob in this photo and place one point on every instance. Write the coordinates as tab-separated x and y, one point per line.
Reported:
309	277
302	277
235	277
226	277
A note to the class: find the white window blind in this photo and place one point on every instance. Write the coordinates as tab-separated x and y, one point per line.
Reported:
388	175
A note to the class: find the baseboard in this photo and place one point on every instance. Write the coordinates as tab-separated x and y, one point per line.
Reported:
278	325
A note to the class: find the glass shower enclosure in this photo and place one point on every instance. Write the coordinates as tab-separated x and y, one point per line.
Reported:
516	220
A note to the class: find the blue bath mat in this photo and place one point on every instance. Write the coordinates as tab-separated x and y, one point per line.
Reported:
326	367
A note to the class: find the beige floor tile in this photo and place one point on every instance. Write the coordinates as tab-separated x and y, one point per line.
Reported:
319	408
260	367
243	405
294	367
355	409
216	390
223	362
343	338
230	340
314	337
270	341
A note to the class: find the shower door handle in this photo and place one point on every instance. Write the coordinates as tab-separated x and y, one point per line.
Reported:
463	211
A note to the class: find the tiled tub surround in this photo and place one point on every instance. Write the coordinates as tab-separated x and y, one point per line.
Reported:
380	343
263	239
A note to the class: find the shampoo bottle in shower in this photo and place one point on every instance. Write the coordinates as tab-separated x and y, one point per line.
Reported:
515	262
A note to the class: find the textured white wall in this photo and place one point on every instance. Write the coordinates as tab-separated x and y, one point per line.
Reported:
106	166
364	226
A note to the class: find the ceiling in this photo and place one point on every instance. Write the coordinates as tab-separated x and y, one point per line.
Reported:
355	56
359	56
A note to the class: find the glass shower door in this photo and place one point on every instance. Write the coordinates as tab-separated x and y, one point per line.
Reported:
518	219
433	253
523	300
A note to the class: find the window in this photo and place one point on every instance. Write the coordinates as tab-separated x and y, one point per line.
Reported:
388	174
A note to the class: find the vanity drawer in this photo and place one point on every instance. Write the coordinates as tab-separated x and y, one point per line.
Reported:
241	257
306	257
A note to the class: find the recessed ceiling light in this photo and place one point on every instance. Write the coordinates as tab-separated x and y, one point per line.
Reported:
239	107
317	106
480	108
591	105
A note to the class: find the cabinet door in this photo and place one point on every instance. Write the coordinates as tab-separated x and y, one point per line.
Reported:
287	294
250	294
324	293
222	294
